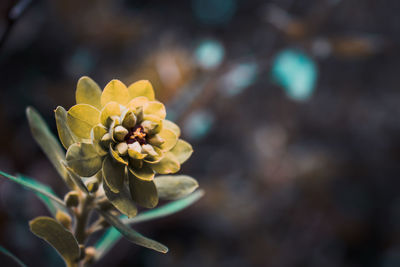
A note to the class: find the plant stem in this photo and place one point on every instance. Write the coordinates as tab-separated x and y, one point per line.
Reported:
82	219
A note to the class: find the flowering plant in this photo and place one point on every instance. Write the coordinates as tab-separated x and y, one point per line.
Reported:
117	141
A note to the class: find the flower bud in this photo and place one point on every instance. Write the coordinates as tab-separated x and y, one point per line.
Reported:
129	120
122	148
105	140
148	149
71	199
139	114
90	253
135	151
120	132
156	140
113	120
92	185
64	219
149	126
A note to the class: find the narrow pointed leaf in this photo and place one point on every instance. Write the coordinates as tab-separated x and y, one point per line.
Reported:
48	142
34	187
51	204
131	234
111	236
170	187
107	241
167	209
12	256
58	237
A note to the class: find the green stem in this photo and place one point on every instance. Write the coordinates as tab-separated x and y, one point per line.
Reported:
82	219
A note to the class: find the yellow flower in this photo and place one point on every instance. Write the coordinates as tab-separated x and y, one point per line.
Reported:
122	132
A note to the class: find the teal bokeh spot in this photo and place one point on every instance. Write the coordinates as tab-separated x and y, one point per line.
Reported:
209	54
214	11
198	124
296	73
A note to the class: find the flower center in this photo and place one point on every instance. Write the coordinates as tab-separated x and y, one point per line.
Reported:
136	134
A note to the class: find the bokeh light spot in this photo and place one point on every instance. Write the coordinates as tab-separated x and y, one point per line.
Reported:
296	73
209	54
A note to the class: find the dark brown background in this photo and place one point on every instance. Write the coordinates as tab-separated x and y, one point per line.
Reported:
287	183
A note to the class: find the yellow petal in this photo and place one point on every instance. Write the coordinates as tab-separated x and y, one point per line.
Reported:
115	91
110	109
182	150
88	92
98	131
155	108
81	118
172	126
168	164
137	102
141	88
170	139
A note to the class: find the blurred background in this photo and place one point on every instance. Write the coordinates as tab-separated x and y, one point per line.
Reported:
292	108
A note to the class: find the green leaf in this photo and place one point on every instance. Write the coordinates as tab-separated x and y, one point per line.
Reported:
121	200
58	237
67	137
113	174
51	204
143	192
84	159
172	187
12	256
111	236
131	234
145	173
167	209
35	186
48	142
76	178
